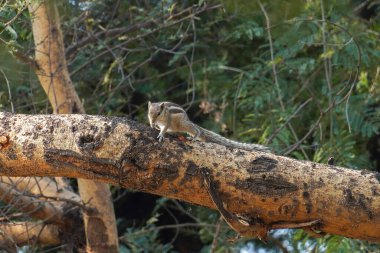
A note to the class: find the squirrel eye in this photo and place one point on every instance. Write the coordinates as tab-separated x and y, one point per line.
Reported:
161	109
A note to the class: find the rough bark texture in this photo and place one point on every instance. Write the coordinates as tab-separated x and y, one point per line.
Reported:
265	190
100	225
31	206
33	197
28	233
29	195
50	57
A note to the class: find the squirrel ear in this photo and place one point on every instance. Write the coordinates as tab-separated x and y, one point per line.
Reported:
149	104
162	105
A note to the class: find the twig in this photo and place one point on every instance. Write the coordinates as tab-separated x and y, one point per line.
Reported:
345	98
175	220
274	69
216	235
144	231
327	67
83	206
35	238
122	81
287	121
111	33
311	130
279	225
9	91
117	31
180	207
22	57
361	5
117	59
278	243
237	93
274	66
306	83
137	26
167	25
190	63
14	18
352	79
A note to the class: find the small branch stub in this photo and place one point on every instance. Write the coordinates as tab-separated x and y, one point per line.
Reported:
4	141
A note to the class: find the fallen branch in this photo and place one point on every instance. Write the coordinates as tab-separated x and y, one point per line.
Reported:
28	233
29	195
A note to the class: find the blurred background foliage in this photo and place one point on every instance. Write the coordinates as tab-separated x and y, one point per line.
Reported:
299	76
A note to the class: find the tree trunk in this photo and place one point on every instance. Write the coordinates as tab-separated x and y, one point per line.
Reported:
260	191
100	225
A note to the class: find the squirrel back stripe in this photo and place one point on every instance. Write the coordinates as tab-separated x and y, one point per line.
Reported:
170	117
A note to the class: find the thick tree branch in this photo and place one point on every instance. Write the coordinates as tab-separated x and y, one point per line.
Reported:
41	186
28	233
29	205
40	198
262	190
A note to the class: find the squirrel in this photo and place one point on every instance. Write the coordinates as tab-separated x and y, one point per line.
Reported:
170	117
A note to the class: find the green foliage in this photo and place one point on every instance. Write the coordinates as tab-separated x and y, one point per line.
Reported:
149	242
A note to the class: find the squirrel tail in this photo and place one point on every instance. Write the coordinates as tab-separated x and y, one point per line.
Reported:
209	136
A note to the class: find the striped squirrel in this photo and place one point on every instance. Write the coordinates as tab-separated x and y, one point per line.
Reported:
170	117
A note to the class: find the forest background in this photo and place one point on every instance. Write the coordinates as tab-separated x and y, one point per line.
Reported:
299	76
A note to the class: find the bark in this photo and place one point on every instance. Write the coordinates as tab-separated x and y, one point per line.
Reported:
39	187
29	205
262	190
28	233
50	58
22	194
39	197
100	225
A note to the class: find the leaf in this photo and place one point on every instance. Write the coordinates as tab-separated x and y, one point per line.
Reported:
11	32
362	85
328	54
153	219
176	57
276	61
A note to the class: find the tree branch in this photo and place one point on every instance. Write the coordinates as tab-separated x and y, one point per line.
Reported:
112	33
263	190
30	206
30	194
27	233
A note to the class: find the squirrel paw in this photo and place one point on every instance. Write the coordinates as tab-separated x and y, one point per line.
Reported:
191	138
160	137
